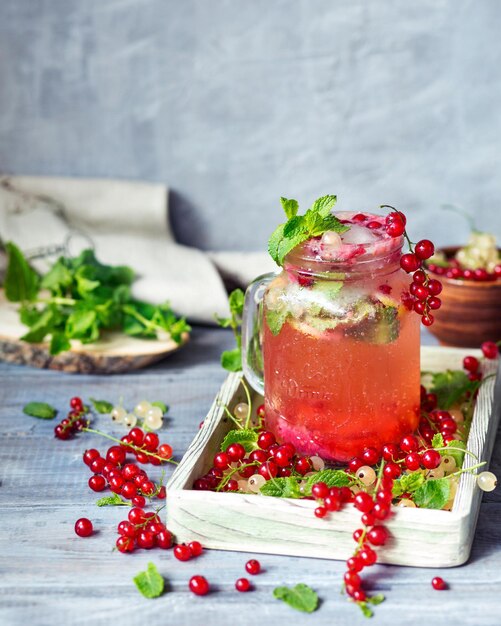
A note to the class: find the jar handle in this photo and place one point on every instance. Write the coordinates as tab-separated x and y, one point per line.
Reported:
252	326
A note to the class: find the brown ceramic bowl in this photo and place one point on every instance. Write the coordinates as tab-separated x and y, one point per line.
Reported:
470	311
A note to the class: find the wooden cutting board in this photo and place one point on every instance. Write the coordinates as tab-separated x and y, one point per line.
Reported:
113	354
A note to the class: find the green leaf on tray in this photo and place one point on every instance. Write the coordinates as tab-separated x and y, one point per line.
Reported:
407	483
434	493
246	437
113	500
101	406
21	281
231	360
437	441
450	386
150	583
161	405
331	477
281	488
42	410
301	597
455	449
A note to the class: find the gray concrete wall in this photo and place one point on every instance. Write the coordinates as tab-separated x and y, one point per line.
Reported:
233	103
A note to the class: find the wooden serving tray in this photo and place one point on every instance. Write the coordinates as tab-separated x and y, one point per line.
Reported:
112	354
253	523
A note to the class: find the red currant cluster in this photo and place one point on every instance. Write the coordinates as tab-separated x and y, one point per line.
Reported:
455	271
269	460
75	421
330	498
423	290
199	585
142	530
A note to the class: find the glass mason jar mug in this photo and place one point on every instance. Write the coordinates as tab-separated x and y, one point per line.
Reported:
340	365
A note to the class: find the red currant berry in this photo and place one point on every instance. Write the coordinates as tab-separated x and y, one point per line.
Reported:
97	482
363	502
438	583
253	567
368	519
136	516
359	217
116	455
165	451
195	548
282	457
413	461
381	511
146	540
419	307
130	470
83	527
355	464
357	534
434	287
471	364
320	512
384	497
409	443
136	436
116	483
147	487
242	584
424	249
97	465
355	564
359	595
90	455
421	292
373	225
419	277
370	456
268	470
409	262
151	442
319	490
352	578
427	320
129	490
182	552
258	456
377	535
431	459
222	461
395	224
368	556
125	544
127	529
260	411
448	426
332	503
390	452
236	452
199	585
76	403
266	440
139	501
164	539
490	350
61	432
392	470
303	465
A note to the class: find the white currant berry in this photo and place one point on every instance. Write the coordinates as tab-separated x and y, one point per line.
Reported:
142	408
457	415
255	482
487	481
118	413
438	472
448	464
153	420
405	502
243	485
130	420
366	475
241	411
317	463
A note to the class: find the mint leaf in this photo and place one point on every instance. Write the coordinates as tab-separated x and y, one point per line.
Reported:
231	360
290	207
299	228
407	483
113	500
377	599
82	324
275	318
450	386
101	406
332	478
366	610
42	410
161	405
236	302
437	441
21	281
59	343
457	454
433	493
150	583
58	278
245	436
281	488
324	205
301	597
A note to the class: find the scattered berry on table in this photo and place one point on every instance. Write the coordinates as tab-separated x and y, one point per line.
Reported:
83	527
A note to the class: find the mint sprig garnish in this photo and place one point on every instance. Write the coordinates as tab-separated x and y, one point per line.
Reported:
299	228
301	597
42	410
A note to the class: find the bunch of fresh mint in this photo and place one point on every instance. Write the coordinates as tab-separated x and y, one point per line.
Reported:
299	228
79	298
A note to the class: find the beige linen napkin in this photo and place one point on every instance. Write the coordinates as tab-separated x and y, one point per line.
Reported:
128	223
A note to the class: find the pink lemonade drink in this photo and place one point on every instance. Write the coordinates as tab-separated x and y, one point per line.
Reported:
341	344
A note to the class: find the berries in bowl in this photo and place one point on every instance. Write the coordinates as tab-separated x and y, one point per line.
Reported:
471	296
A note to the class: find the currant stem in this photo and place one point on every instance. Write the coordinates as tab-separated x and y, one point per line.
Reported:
129	445
467	470
249	403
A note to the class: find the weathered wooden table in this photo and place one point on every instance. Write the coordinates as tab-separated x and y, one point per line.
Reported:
49	576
